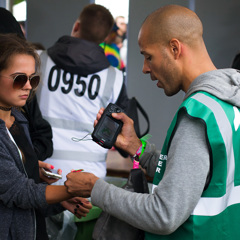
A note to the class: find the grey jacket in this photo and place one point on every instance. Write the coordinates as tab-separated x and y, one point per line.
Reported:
175	197
19	196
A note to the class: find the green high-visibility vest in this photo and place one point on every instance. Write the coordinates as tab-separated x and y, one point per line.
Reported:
217	214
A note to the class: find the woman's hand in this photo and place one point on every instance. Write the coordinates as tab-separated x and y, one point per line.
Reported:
49	167
78	206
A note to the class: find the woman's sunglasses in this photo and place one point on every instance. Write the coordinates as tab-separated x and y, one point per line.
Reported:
20	80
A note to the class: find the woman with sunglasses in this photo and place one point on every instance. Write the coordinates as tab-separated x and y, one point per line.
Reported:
40	130
23	200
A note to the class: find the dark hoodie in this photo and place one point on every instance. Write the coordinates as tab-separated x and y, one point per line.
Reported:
78	56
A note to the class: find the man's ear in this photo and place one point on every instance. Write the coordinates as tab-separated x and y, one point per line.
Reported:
76	29
175	47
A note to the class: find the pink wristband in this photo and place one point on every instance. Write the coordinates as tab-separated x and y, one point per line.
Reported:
135	164
138	152
135	157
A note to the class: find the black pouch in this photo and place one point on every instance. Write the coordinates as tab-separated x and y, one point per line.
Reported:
108	227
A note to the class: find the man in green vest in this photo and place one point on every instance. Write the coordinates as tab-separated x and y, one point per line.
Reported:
196	186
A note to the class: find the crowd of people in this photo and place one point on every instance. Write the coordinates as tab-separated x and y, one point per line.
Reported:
196	176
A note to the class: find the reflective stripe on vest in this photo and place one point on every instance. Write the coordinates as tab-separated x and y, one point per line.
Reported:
69	124
111	78
78	156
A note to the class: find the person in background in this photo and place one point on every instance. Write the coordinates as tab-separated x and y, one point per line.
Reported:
122	27
196	185
40	129
122	33
23	200
111	46
77	80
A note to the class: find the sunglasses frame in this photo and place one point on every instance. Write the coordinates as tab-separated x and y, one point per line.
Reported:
27	78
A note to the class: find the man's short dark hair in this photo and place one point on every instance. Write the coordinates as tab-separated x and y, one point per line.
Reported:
96	23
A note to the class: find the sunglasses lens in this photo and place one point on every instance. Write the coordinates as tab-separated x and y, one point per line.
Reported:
35	81
20	81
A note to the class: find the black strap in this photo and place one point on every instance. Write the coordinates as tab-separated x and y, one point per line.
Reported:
145	116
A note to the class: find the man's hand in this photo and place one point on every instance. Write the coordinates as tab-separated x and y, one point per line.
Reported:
80	183
127	139
50	167
78	206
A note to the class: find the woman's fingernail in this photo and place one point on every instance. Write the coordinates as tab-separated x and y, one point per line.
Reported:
52	167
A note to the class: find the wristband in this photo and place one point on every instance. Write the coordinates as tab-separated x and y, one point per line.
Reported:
135	157
139	152
135	161
143	147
